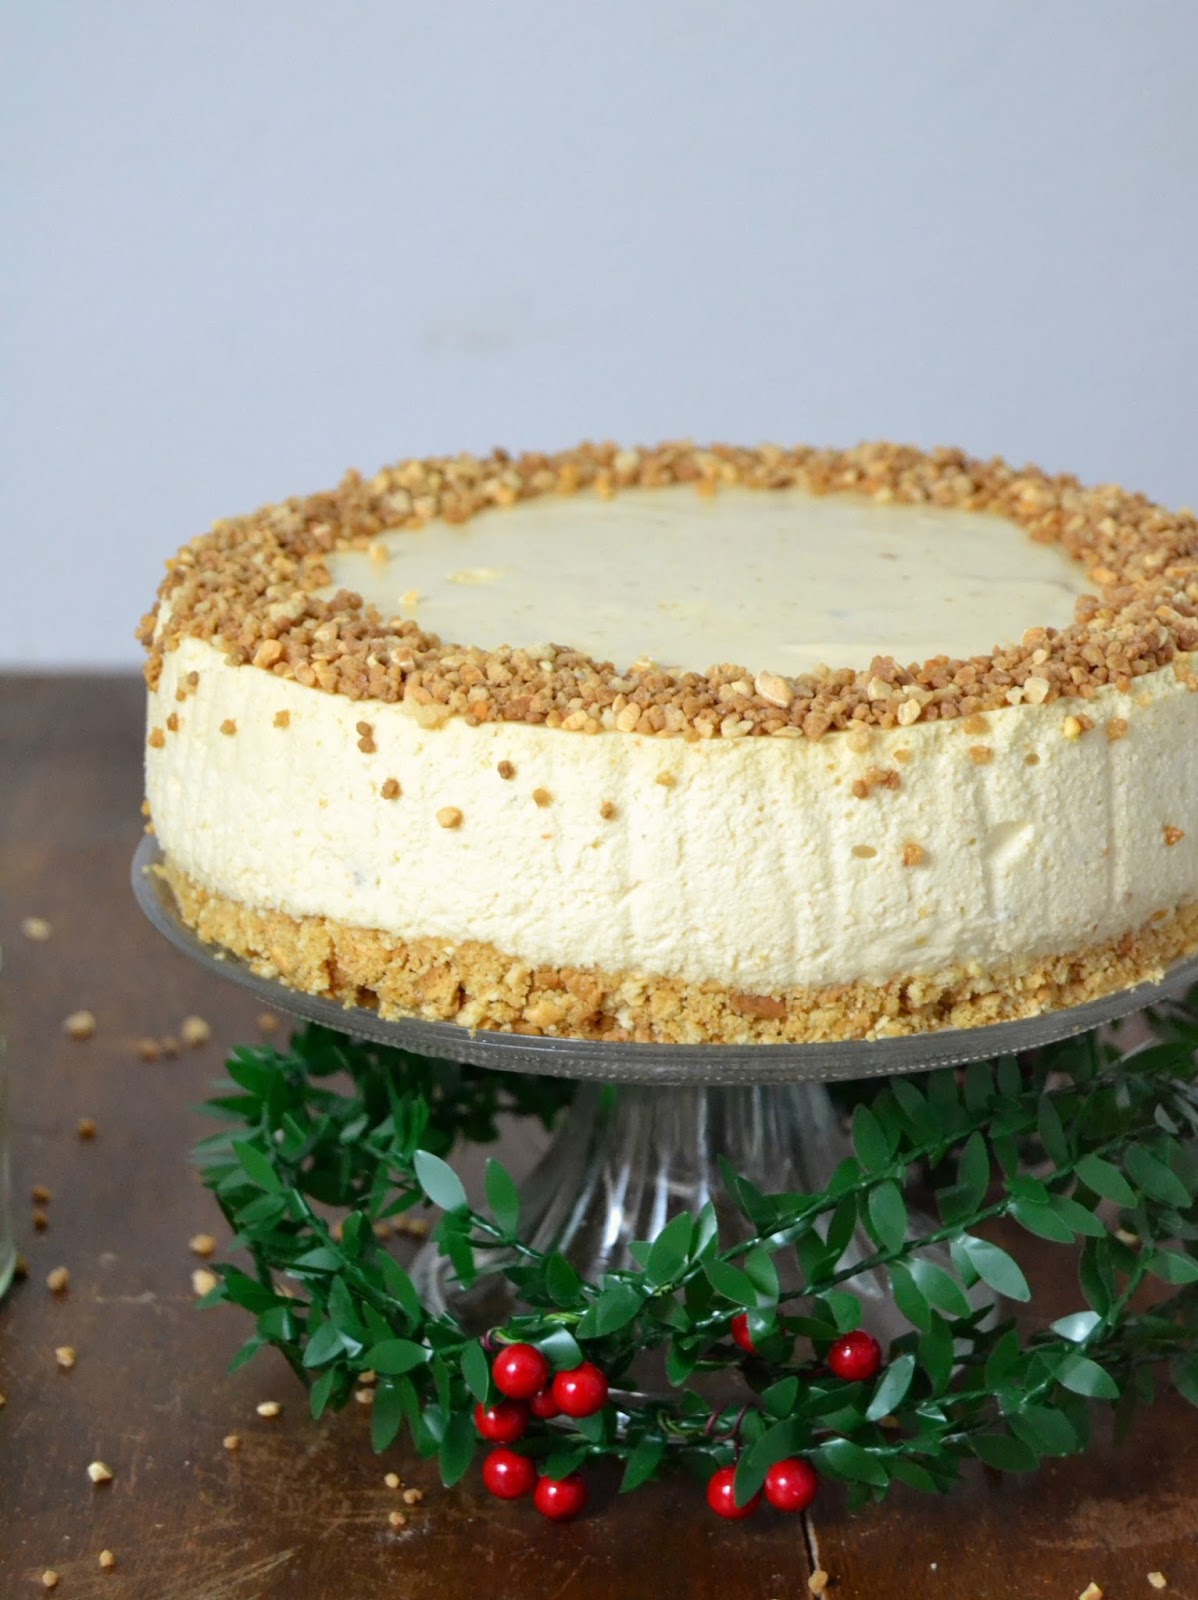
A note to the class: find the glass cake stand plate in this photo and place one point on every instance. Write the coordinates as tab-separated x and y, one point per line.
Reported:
621	1163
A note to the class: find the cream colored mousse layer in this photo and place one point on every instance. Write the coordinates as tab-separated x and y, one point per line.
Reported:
873	880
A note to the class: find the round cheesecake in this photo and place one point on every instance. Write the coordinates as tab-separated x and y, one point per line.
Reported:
687	745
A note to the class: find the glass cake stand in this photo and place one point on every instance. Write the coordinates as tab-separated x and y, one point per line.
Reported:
643	1138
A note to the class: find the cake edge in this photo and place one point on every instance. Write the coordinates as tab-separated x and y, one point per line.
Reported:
475	985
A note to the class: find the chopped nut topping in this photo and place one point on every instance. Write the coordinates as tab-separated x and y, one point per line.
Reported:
397	1519
910	711
64	1354
268	1408
80	1025
975	725
282	719
858	740
449	817
1071	728
875	778
58	1280
607	810
981	755
172	722
36	929
85	1128
1036	689
913	854
1173	835
107	1560
1031	759
773	689
203	1282
413	1497
194	1032
366	742
1116	729
99	1472
391	1479
506	770
231	1441
390	789
542	798
202	1244
156	739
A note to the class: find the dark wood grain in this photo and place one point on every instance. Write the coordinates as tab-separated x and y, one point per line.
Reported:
301	1509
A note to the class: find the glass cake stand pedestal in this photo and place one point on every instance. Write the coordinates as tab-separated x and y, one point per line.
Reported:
644	1136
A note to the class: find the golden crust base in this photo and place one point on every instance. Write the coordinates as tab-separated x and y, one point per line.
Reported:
477	986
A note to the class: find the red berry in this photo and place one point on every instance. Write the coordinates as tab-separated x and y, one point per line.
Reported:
559	1499
719	1496
519	1370
507	1475
582	1391
502	1423
855	1357
790	1485
740	1332
543	1405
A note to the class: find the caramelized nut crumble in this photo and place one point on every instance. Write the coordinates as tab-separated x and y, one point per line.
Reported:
390	789
506	770
449	817
1173	835
542	797
228	726
913	854
282	719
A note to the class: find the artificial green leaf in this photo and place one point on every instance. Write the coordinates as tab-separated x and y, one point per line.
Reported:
1105	1180
1084	1376
786	1438
908	1297
995	1267
1077	1326
476	1371
761	1273
326	1344
457	1448
560	1349
939	1288
936	1353
614	1309
561	1280
730	1281
780	1397
680	1363
1079	1218
670	1250
257	1167
1052	1132
849	1461
503	1201
870	1143
843	1308
394	1356
892	1387
439	1181
1172	1266
321	1392
642	1464
386	1416
1005	1454
1047	1432
1043	1221
888	1215
1157	1180
1183	1370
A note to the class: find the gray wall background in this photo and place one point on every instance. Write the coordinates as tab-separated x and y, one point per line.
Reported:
248	243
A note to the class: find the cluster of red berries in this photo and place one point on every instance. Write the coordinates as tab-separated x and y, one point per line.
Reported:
521	1373
791	1485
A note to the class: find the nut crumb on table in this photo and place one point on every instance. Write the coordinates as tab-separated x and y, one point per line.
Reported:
1090	1592
194	1032
268	1408
107	1560
203	1282
99	1472
58	1280
36	929
1158	1580
65	1356
80	1024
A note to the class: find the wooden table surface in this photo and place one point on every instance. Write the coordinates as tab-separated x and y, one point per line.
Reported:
301	1509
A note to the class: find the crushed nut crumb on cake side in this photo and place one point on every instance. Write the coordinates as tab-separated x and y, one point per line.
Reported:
477	985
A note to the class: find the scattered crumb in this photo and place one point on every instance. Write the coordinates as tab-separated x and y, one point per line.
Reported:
169	1046
3	1400
392	1480
80	1025
364	1397
148	1049
1125	1236
267	1022
1090	1592
818	1581
85	1128
1173	835
202	1244
282	718
1071	728
607	811
232	1441
1158	1580
413	1227
1116	729
391	789
413	1497
506	770
40	1195
36	929
40	1221
913	854
99	1472
542	797
172	722
203	1282
981	755
228	726
397	1519
366	742
268	1408
65	1356
449	817
666	779
57	1280
49	1579
367	1378
157	739
194	1031
107	1560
